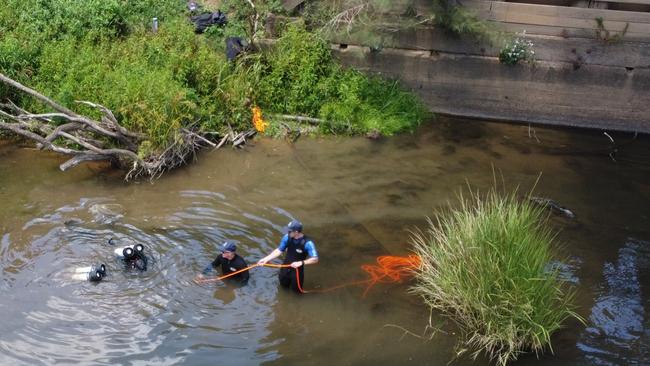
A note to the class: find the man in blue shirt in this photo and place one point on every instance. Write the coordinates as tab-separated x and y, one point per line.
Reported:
300	251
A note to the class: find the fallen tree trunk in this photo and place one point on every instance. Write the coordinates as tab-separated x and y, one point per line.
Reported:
85	139
310	120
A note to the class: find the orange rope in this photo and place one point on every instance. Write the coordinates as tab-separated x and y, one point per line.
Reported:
216	279
389	269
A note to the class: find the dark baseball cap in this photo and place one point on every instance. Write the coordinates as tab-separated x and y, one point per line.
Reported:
294	225
228	246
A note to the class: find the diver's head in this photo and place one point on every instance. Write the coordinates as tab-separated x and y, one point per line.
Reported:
228	250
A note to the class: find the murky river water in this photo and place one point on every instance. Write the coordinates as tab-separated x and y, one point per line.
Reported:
358	199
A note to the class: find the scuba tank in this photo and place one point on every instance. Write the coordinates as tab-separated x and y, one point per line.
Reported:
125	253
97	273
133	256
138	249
101	268
128	253
94	273
96	276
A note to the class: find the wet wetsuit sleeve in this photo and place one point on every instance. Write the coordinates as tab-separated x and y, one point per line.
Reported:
215	263
283	243
311	249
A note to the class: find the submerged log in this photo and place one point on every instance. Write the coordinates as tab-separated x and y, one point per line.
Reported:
553	206
310	120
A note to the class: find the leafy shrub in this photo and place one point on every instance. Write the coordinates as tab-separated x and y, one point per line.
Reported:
297	72
154	83
97	19
459	20
104	51
301	77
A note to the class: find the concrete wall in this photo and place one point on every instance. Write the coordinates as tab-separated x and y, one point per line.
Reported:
548	93
576	80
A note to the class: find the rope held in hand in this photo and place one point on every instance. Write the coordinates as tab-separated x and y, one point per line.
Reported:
389	269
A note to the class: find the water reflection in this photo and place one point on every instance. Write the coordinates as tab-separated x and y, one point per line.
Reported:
619	330
158	315
358	199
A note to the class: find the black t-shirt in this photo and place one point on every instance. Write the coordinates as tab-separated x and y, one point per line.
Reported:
230	266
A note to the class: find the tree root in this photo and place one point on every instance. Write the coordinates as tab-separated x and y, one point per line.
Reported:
86	139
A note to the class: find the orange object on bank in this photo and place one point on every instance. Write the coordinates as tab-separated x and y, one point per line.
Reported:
258	121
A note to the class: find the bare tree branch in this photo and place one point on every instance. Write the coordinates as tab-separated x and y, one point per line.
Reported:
347	17
36	95
81	159
310	120
86	139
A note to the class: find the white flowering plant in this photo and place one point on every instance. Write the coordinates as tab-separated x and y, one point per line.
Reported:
518	49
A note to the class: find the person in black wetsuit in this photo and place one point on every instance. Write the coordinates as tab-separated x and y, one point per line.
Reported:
300	250
134	258
230	262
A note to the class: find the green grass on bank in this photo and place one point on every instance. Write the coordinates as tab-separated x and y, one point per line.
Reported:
104	51
486	266
300	77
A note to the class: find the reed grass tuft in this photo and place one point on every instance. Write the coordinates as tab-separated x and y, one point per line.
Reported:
485	265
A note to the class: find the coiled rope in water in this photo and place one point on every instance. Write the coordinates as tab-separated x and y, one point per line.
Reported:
389	269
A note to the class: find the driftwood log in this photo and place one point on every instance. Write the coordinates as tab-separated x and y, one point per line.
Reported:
85	139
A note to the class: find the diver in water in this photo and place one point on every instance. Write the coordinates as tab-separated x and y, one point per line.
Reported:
230	262
94	273
133	257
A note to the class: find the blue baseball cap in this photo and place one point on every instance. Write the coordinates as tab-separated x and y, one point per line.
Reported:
228	246
294	225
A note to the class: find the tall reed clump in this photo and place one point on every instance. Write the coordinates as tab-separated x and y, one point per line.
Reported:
485	265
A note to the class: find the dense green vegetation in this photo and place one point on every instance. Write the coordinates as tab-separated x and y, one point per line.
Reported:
300	77
377	23
460	21
104	51
487	266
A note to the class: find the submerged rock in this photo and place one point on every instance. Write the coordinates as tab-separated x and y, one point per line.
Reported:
106	213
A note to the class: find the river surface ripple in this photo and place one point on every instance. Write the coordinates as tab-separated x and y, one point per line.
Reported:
358	199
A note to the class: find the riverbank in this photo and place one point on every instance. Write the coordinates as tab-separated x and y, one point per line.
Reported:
546	92
139	85
585	73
